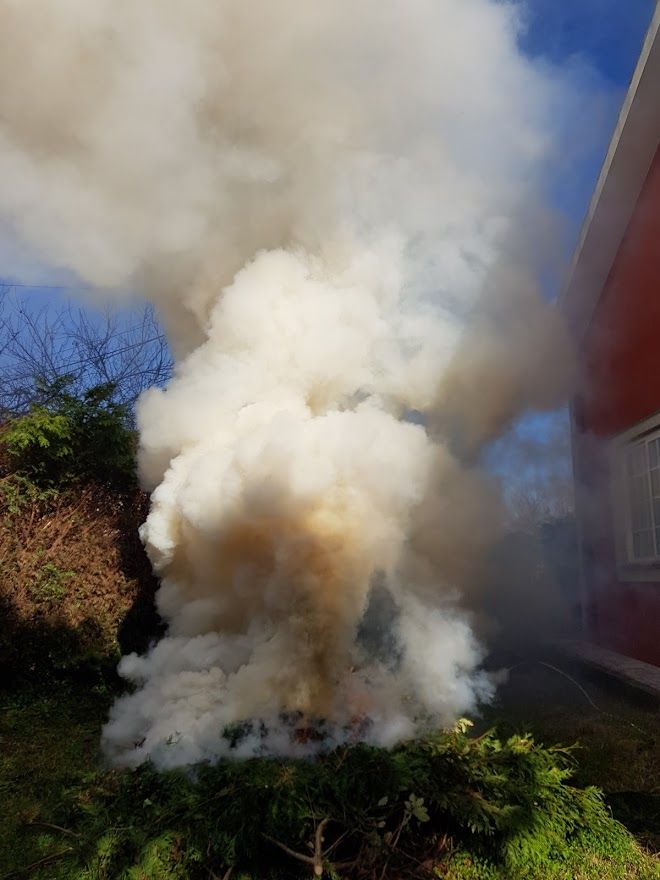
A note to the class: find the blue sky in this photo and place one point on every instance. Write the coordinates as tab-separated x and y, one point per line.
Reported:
608	33
604	37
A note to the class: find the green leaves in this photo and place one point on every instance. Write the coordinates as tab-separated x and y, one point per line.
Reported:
66	439
50	584
414	808
506	803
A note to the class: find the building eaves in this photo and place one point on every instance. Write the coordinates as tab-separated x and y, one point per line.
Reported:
629	158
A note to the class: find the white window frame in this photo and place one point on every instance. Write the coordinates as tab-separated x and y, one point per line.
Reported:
642	435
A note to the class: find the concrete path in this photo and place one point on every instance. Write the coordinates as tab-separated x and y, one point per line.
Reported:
641	675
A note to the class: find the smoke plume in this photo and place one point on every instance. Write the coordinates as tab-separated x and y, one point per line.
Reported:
324	200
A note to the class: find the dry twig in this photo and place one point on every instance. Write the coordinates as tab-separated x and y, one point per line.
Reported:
53	828
320	856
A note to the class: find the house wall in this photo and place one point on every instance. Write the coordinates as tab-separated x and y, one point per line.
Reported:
620	361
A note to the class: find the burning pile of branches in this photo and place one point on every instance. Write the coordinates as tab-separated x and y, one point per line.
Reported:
450	805
301	730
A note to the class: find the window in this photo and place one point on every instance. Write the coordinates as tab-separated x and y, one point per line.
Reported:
642	481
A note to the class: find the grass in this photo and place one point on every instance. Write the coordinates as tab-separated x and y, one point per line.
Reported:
49	742
618	737
148	826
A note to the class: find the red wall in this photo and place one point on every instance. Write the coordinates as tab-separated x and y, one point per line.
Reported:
621	367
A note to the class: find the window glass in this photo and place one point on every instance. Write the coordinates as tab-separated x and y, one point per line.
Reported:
642	471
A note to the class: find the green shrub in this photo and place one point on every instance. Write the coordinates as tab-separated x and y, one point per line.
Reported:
448	806
67	439
18	491
50	584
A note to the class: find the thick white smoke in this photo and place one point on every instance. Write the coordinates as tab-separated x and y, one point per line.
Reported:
323	199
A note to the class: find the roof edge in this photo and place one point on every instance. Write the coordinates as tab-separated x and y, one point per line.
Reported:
629	158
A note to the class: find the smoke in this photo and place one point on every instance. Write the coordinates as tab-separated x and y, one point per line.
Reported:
324	201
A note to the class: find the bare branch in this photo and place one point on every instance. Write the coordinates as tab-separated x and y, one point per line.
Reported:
39	345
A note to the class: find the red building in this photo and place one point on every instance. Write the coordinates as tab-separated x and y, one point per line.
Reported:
612	302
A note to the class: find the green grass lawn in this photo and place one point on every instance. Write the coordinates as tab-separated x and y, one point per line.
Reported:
49	758
618	733
49	741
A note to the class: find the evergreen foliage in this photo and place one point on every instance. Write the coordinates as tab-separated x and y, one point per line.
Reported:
449	805
66	439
